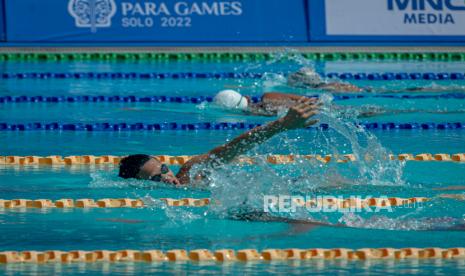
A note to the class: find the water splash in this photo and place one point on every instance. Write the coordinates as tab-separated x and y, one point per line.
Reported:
235	186
181	216
150	193
288	61
272	81
403	223
292	56
374	166
109	179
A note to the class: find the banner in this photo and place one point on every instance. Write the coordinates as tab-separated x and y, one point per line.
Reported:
412	20
156	21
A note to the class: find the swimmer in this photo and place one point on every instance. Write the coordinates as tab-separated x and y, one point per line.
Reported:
270	104
308	78
146	167
274	103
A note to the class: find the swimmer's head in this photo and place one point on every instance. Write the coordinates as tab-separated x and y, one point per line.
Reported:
231	99
146	167
305	77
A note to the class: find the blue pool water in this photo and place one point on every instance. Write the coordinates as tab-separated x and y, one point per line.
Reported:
163	228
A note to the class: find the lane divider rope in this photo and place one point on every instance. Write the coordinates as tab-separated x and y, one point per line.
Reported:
199	202
192	99
55	126
216	56
182	159
396	76
229	255
227	75
131	75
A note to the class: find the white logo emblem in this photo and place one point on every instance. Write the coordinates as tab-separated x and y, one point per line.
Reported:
92	13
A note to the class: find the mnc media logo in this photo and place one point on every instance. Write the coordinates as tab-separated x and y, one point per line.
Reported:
92	14
427	11
421	5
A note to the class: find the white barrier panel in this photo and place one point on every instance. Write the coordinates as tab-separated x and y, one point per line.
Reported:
395	17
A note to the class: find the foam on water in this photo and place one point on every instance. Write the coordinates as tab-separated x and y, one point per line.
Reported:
373	165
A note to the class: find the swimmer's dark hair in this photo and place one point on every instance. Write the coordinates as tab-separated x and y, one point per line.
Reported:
129	166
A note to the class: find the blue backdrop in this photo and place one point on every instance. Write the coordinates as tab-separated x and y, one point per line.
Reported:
156	21
232	22
2	21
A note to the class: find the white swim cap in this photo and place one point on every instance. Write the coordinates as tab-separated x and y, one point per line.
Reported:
230	99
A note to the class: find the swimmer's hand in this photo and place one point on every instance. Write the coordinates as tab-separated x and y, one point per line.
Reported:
298	116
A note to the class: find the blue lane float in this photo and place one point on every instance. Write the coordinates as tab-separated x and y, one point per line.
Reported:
396	76
130	75
227	75
207	126
109	99
195	99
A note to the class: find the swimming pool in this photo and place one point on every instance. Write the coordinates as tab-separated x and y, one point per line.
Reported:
167	228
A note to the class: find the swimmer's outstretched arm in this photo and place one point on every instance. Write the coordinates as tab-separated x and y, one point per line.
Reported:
297	117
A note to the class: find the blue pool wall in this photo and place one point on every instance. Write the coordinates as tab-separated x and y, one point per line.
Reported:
178	22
